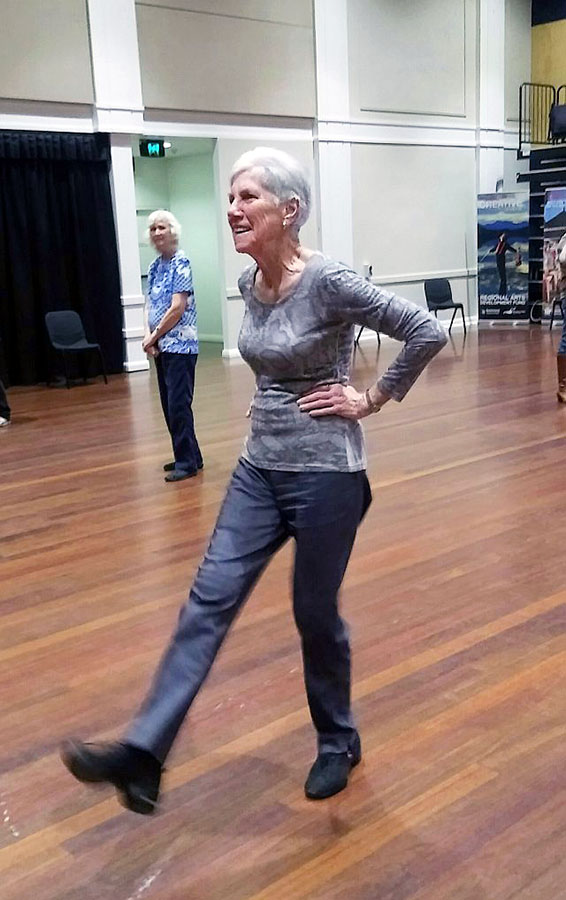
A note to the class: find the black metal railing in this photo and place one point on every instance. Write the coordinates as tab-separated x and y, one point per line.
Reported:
535	104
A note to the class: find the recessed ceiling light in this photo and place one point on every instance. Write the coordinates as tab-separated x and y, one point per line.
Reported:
167	145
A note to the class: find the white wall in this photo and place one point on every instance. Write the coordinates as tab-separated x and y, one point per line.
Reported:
248	57
44	51
517	53
414	59
413	209
192	199
409	57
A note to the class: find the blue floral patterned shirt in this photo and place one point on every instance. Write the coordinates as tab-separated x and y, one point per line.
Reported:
166	277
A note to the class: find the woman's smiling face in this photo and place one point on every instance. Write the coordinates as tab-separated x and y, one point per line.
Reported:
255	215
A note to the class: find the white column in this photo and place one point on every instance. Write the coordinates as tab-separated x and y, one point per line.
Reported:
119	110
491	112
333	105
124	198
115	65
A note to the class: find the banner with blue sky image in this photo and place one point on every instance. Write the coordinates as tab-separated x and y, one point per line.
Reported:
503	256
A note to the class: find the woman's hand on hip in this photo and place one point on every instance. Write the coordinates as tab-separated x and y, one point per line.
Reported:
334	400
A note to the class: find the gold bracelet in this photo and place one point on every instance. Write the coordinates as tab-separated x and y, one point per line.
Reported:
373	405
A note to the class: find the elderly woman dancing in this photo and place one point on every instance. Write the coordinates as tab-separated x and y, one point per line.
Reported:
171	339
301	476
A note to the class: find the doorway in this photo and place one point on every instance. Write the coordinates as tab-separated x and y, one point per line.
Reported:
182	181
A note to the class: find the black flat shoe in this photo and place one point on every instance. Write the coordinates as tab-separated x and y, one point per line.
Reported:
135	774
179	475
168	467
330	771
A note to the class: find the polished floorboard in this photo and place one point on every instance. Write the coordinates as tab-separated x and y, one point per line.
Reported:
456	599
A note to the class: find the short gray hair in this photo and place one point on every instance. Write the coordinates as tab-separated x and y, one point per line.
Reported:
163	215
282	175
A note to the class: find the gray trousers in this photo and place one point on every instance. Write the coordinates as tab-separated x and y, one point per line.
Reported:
261	510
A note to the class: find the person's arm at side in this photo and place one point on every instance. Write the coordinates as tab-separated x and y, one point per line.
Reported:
168	320
353	299
150	350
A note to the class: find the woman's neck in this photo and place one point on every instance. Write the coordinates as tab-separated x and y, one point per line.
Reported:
277	263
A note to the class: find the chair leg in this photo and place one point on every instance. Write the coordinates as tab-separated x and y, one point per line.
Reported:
102	365
378	339
551	318
452	320
463	320
66	365
357	341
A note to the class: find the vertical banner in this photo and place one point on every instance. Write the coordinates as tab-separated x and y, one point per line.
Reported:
554	229
503	256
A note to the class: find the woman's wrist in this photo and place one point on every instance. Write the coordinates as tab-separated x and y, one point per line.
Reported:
373	404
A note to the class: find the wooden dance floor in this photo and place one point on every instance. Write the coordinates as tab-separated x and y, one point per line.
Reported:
456	598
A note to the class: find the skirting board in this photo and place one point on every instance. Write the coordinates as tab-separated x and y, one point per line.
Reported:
136	366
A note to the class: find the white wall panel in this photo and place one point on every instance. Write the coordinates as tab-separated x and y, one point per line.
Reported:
291	12
517	53
44	51
408	57
413	210
202	62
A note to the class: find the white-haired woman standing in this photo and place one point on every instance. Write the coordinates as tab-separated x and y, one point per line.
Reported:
171	339
301	476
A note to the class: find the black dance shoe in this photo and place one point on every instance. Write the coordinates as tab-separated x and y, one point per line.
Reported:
330	771
168	467
179	475
135	773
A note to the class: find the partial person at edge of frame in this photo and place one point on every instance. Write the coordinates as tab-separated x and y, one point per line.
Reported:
171	339
5	411
561	354
301	475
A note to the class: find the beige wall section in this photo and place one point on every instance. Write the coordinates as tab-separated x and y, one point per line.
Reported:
409	57
220	63
291	12
549	53
44	51
517	53
413	209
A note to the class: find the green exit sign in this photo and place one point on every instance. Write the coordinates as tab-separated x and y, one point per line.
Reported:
152	148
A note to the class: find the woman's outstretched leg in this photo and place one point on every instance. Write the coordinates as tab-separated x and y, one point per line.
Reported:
248	532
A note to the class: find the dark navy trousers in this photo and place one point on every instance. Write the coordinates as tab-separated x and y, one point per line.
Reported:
321	511
176	379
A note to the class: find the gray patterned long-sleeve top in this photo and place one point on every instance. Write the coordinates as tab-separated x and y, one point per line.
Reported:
305	340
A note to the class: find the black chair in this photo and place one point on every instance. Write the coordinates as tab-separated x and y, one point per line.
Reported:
556	305
438	295
357	341
67	335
